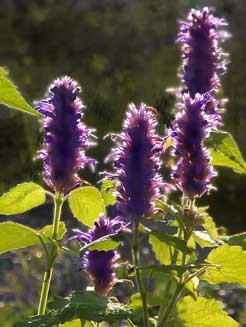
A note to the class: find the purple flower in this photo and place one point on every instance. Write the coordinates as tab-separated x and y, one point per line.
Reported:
100	264
137	163
193	170
203	59
66	138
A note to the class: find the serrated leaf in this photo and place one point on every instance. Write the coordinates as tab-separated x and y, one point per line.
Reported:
225	152
80	305
172	241
202	312
108	190
163	252
105	243
22	198
236	239
232	265
15	236
86	204
11	97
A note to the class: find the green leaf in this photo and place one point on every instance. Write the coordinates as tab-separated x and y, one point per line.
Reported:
108	190
201	313
105	243
80	305
236	239
86	204
232	265
203	239
172	241
225	152
22	198
15	236
210	226
47	231
11	97
163	252
73	323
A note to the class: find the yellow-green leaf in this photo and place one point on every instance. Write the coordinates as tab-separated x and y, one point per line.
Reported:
11	97
232	265
86	204
21	198
73	323
201	312
15	236
225	152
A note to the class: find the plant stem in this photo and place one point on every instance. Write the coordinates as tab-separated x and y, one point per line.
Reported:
50	261
142	291
164	317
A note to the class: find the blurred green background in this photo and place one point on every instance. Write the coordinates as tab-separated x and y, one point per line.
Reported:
120	51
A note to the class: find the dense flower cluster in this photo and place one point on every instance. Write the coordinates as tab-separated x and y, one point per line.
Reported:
204	61
66	138
192	172
100	264
137	163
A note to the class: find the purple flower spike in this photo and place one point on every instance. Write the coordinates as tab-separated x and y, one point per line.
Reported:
193	170
100	264
137	163
203	59
66	138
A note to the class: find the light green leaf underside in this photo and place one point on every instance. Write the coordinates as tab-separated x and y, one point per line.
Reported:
11	97
86	204
22	198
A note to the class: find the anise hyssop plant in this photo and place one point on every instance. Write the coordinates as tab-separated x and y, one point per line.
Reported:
134	205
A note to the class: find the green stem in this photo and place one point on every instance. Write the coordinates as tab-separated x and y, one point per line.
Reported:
49	271
165	315
165	312
142	291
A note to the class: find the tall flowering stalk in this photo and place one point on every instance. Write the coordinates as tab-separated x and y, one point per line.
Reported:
137	163
204	61
203	58
66	138
100	264
66	141
193	171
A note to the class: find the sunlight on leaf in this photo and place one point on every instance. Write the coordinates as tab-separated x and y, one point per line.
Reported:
225	152
11	97
201	313
232	262
15	236
21	198
86	204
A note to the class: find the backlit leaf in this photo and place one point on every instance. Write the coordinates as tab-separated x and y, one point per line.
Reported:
11	97
22	198
86	204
